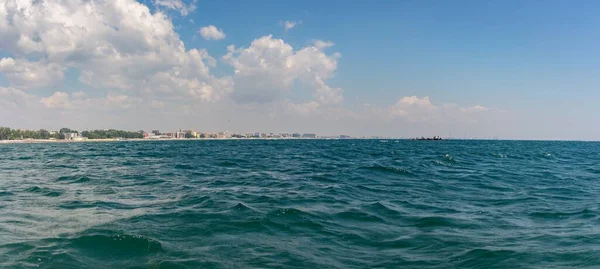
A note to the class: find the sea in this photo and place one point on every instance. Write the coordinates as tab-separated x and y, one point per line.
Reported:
300	204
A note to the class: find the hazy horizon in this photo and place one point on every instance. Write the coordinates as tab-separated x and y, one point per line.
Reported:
506	69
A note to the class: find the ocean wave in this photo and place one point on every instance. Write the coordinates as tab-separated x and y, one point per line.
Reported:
388	169
6	193
555	215
380	209
357	215
115	245
73	179
474	258
441	222
44	191
94	204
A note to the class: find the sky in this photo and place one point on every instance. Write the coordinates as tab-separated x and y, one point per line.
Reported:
485	69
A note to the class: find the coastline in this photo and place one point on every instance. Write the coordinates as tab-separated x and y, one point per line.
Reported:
38	141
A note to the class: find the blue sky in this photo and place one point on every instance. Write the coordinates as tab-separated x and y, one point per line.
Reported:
529	67
518	53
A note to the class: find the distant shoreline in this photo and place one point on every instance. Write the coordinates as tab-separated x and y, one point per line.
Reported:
43	141
38	141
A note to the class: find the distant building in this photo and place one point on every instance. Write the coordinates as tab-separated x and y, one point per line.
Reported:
193	133
156	132
296	135
180	135
309	136
344	136
71	136
208	135
225	134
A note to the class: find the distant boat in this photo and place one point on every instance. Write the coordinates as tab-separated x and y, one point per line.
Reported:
429	138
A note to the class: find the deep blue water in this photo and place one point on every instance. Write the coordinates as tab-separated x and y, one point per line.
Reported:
300	204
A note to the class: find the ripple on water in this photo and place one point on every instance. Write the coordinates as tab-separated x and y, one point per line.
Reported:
112	244
382	210
6	193
94	204
98	249
356	215
73	179
44	191
441	222
388	169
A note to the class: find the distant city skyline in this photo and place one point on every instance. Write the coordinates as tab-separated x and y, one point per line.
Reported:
506	69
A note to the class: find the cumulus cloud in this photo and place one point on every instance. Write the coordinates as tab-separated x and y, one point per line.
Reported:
57	100
77	100
18	107
304	109
26	74
114	44
123	46
411	105
421	109
211	32
177	5
12	99
269	68
288	25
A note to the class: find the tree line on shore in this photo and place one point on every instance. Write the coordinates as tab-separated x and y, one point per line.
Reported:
14	134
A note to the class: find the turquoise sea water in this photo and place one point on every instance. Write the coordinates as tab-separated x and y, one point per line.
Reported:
300	204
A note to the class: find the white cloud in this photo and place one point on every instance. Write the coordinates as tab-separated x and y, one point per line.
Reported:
11	99
18	107
79	94
414	100
476	108
57	100
122	46
77	100
288	25
117	100
413	108
25	74
178	5
416	109
114	44
304	109
269	69
211	33
320	44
